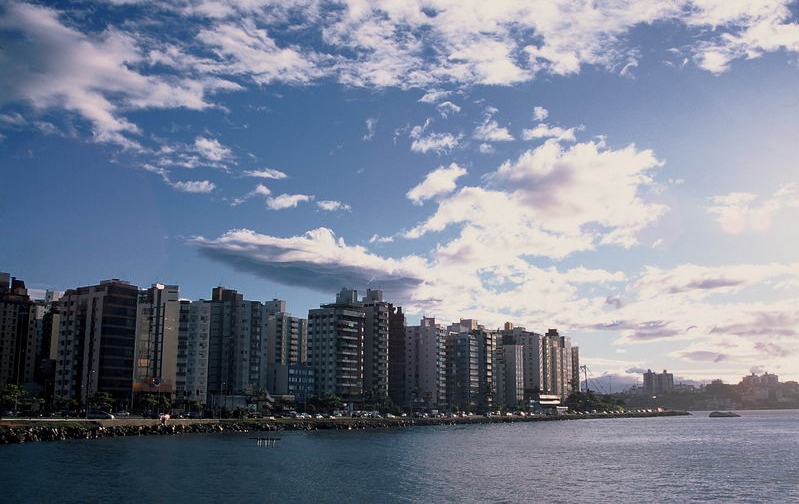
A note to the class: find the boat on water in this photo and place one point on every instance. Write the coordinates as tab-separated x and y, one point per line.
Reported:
723	414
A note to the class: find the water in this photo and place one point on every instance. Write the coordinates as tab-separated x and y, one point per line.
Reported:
675	459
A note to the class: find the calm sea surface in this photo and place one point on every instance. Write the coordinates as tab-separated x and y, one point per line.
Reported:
754	458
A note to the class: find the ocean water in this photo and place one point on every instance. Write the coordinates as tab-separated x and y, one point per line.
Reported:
754	458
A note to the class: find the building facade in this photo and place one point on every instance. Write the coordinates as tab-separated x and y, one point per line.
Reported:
655	384
425	365
236	344
396	356
335	346
375	343
96	341
17	333
157	335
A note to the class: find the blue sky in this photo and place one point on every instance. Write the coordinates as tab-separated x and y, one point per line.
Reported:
624	171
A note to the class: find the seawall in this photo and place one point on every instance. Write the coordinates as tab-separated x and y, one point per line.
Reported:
31	430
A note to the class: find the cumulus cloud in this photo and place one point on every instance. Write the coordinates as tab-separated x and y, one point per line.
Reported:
284	201
191	186
333	206
737	212
553	202
491	131
266	173
540	113
545	131
260	190
446	108
743	30
97	76
242	48
212	150
101	75
433	96
194	186
439	181
424	142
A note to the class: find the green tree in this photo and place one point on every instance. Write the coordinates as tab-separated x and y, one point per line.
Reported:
102	401
153	402
12	395
589	401
327	402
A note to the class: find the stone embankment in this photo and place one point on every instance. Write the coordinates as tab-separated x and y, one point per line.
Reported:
23	431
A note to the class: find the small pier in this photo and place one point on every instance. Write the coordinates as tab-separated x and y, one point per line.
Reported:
266	441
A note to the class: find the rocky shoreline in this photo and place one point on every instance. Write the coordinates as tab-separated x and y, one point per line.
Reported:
25	431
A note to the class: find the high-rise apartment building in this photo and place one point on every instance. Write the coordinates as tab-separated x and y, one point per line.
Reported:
558	368
287	372
550	362
193	350
655	384
17	332
157	334
425	365
287	336
396	357
96	341
509	375
470	351
335	346
375	343
462	372
237	346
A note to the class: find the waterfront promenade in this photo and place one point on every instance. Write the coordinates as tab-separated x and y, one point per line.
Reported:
22	430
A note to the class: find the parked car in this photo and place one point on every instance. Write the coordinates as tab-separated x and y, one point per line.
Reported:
122	414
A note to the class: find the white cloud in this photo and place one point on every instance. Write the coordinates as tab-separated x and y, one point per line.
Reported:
244	49
381	239
284	201
260	190
191	186
433	96
446	108
319	260
490	131
97	77
371	122
438	142
14	119
211	149
486	148
737	212
265	173
560	201
746	29
439	181
195	186
540	113
101	76
545	131
333	206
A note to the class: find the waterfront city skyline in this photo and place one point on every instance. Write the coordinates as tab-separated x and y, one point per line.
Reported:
623	172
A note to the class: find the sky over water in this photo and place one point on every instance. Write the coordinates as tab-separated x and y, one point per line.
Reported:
624	171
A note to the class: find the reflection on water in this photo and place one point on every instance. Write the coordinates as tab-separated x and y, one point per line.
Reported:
676	459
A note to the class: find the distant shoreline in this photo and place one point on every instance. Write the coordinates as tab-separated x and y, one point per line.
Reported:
16	431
